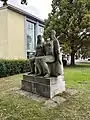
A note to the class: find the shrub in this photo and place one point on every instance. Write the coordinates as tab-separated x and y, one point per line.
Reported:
12	67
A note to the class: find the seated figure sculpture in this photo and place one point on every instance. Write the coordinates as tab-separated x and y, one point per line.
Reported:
38	55
47	59
47	62
34	64
52	59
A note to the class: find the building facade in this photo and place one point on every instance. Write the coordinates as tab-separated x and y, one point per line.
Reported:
18	32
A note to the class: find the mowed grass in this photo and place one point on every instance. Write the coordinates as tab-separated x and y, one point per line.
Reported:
78	76
77	107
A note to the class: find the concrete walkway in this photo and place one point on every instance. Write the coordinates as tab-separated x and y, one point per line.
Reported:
79	61
82	61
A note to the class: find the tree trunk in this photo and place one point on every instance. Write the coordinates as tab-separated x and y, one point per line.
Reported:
72	58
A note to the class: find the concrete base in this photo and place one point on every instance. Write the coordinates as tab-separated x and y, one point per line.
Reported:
47	87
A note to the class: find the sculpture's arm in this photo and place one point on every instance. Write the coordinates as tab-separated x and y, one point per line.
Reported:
44	49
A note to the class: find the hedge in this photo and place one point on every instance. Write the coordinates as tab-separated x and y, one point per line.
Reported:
12	67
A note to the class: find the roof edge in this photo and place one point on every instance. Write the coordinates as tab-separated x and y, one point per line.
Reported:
3	7
20	11
25	13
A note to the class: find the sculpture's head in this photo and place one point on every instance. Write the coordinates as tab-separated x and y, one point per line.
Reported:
39	39
52	34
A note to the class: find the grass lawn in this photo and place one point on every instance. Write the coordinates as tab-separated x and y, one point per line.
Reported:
17	107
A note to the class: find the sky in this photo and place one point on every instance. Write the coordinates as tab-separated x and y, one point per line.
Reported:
39	8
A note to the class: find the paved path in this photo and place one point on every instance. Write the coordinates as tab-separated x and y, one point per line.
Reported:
81	61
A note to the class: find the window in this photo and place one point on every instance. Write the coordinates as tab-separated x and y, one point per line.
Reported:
41	30
30	36
32	31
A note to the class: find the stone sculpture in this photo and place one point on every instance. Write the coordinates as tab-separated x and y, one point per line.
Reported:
33	61
47	58
52	55
48	77
38	55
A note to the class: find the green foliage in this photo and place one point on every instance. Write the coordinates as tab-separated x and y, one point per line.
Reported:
22	2
71	22
11	67
4	2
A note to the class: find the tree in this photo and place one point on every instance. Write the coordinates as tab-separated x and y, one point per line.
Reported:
5	2
24	2
85	50
71	21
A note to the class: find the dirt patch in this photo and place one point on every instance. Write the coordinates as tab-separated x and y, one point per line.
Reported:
47	103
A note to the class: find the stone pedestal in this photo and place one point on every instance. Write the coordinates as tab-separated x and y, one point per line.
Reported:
47	87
